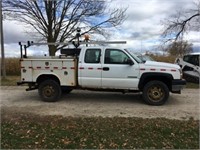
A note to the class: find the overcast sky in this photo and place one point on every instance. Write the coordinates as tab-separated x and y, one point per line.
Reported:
141	29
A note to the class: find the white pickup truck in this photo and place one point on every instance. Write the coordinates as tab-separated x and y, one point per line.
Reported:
100	68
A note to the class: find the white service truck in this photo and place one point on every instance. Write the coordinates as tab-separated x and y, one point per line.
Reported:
100	68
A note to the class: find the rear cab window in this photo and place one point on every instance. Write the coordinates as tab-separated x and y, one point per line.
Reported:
92	56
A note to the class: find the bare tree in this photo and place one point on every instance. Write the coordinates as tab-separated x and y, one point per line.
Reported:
179	48
57	20
177	25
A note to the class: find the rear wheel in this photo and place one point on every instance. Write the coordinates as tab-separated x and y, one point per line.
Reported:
49	91
155	93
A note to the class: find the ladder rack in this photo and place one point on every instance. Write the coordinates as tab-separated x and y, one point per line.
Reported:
75	43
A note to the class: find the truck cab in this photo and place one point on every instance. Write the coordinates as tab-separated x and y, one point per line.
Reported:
108	68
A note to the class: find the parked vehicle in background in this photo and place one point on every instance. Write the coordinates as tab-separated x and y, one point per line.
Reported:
190	66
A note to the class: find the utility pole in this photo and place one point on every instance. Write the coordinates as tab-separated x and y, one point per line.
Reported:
3	68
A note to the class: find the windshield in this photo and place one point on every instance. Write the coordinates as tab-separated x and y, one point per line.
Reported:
134	56
145	58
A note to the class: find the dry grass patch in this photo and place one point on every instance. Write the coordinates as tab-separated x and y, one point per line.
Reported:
28	131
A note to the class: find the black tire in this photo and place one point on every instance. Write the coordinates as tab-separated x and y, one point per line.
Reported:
49	91
155	93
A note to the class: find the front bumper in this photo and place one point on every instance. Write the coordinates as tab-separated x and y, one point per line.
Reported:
178	85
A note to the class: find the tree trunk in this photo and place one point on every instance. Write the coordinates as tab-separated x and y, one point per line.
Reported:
3	68
52	50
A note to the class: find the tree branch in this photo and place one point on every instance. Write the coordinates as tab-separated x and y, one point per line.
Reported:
57	20
178	25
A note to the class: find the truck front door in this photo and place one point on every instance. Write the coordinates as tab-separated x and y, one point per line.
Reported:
117	73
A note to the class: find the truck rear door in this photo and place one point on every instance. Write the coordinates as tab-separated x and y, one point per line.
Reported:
89	71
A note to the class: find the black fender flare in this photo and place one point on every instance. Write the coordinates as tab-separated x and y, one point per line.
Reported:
149	76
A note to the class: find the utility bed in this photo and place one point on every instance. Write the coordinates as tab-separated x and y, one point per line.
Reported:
62	68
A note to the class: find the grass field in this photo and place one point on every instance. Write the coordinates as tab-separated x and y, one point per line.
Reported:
168	59
12	66
10	80
28	131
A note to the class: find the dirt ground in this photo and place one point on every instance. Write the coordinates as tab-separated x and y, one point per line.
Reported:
105	104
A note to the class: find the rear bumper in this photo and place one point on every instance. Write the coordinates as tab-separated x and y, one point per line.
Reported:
178	85
31	85
24	82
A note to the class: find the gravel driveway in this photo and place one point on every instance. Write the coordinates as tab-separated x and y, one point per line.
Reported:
105	104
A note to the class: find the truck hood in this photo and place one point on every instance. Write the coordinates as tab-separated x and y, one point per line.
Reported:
161	64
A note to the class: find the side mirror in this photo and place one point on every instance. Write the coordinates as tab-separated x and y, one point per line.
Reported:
130	62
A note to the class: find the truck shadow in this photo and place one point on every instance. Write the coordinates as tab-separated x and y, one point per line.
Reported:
113	97
173	100
83	96
105	97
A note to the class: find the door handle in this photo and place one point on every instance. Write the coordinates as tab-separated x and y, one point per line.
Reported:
106	68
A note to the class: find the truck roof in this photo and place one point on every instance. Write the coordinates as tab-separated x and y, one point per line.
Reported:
196	53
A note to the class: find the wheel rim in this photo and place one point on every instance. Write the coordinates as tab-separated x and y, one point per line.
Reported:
48	91
155	93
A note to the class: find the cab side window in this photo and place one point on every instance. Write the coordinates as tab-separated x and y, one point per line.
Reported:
92	56
114	56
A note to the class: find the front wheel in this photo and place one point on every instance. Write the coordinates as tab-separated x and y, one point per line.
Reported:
49	91
155	93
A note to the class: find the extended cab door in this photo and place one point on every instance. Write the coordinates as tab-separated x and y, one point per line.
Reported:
117	72
89	74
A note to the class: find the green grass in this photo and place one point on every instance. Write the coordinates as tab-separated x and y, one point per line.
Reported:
25	131
192	85
10	80
12	66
